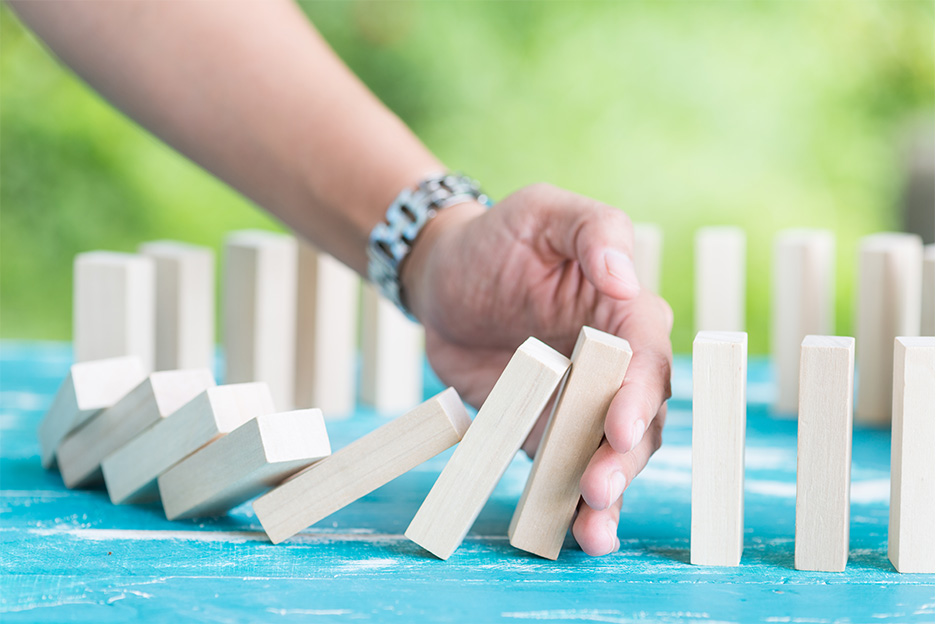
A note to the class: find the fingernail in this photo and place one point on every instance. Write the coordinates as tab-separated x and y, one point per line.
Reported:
637	432
621	267
612	536
616	484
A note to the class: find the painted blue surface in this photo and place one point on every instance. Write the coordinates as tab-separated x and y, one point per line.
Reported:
72	556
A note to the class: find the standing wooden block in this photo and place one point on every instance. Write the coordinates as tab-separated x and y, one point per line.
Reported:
910	542
260	311
326	333
889	280
719	279
928	308
648	254
719	404
185	304
114	307
257	455
363	466
803	300
131	471
88	388
823	453
572	436
495	436
392	356
162	393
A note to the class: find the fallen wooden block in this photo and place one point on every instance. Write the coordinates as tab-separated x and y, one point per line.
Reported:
363	466
928	308
648	255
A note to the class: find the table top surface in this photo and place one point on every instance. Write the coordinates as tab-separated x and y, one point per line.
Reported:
73	556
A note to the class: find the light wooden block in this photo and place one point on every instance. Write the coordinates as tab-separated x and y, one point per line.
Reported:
185	304
648	255
234	468
803	304
911	545
889	281
326	333
260	311
503	423
159	395
575	430
928	299
89	388
823	453
719	404
392	356
363	466
720	254
114	307
131	471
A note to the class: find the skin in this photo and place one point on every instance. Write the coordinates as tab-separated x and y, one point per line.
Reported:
252	93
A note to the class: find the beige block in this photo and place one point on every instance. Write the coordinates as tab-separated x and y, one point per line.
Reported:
648	255
720	279
928	299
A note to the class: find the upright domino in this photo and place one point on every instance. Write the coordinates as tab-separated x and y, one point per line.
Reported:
159	395
326	333
889	280
260	311
131	471
719	279
719	383
910	541
803	300
363	466
504	421
823	453
928	308
114	306
648	255
89	388
234	468
574	432
185	304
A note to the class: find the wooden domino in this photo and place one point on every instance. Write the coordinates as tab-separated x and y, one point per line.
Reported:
910	542
575	429
823	453
81	453
503	423
719	279
234	468
131	471
719	384
363	466
928	299
648	255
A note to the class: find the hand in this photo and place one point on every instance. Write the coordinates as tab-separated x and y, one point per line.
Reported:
543	262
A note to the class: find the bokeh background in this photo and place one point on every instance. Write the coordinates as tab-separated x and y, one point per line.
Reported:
766	114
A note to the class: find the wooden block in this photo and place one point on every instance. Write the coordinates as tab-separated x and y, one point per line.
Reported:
928	308
131	471
719	384
159	395
185	304
503	423
234	468
803	303
910	542
392	356
363	466
326	333
648	254
260	311
823	453
88	388
889	280
572	436
114	307
719	279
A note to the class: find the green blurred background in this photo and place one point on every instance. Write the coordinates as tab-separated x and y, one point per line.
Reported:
767	115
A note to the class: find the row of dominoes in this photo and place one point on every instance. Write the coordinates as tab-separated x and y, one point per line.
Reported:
824	442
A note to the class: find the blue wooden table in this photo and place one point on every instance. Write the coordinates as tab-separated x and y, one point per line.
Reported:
72	556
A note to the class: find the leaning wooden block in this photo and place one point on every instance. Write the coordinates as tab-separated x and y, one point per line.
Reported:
823	453
131	471
910	542
495	436
363	466
162	393
720	254
88	388
254	457
648	255
574	432
928	307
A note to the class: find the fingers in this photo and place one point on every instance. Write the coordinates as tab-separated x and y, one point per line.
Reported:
596	530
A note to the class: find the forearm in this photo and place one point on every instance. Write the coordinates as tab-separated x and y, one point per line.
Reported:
252	93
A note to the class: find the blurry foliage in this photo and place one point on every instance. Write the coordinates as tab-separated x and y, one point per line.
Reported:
764	114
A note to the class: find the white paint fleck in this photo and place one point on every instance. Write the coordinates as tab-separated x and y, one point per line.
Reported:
368	564
18	400
309	611
871	491
781	489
